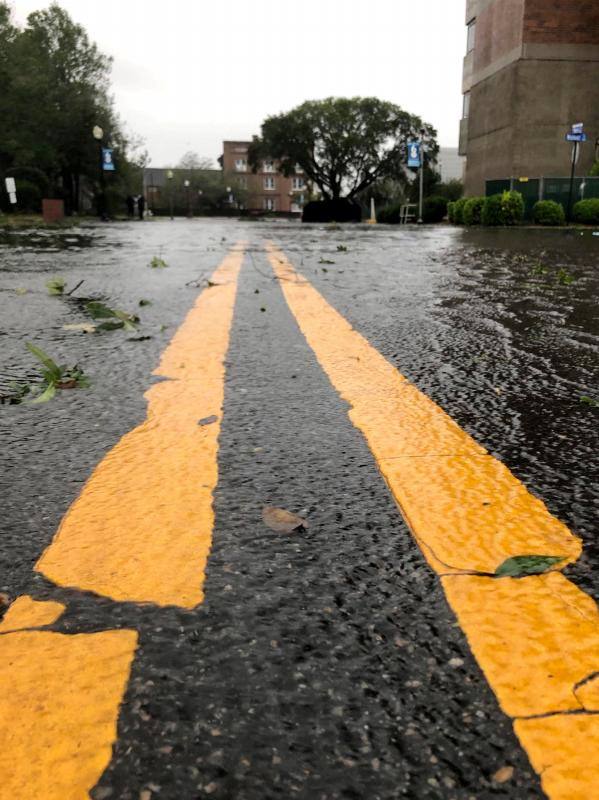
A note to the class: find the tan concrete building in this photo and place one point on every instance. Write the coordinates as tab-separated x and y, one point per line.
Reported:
264	190
531	70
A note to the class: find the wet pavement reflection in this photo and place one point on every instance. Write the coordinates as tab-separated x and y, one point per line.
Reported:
325	664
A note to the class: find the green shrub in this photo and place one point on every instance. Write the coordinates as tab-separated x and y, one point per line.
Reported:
587	211
512	205
594	173
434	209
472	210
458	211
390	214
548	212
503	209
450	210
491	213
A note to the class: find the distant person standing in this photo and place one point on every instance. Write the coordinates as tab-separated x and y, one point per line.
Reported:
130	206
141	204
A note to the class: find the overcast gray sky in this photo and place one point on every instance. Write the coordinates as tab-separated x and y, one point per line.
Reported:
189	73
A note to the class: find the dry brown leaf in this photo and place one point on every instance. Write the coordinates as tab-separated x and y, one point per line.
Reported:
503	775
282	521
85	327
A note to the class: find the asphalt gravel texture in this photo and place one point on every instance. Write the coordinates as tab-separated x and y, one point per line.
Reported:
324	664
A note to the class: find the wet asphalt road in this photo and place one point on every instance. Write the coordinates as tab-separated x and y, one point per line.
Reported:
326	664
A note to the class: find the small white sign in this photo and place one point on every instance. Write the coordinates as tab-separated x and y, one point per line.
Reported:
13	197
11	186
578	127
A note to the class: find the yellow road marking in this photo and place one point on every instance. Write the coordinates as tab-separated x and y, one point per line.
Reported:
141	529
26	612
59	701
537	638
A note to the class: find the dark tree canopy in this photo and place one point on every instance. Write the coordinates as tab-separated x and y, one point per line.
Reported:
343	145
55	89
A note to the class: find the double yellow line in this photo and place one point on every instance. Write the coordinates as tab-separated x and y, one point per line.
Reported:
141	531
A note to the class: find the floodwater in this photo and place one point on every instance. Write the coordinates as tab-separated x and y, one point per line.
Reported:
317	667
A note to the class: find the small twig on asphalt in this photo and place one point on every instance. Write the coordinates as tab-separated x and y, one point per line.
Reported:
75	287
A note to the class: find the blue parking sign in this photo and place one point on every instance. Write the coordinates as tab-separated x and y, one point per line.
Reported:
107	162
414	154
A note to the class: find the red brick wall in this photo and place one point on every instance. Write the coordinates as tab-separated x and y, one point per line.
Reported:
561	22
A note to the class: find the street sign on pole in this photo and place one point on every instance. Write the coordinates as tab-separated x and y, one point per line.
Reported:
107	162
576	137
578	127
11	186
414	155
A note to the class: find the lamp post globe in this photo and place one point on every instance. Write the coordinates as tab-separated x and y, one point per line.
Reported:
97	132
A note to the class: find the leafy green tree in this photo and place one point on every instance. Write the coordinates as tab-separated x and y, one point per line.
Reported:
55	89
343	145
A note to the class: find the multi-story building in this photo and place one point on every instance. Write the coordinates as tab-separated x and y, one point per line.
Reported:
531	70
267	189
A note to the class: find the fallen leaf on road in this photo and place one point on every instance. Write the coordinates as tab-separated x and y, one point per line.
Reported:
85	327
145	794
207	420
282	521
526	565
503	775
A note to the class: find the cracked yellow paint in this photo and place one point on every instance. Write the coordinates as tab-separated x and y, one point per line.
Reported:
564	750
59	701
141	529
26	612
535	638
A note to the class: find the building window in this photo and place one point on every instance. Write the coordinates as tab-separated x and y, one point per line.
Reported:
241	165
269	183
297	184
471	36
466	107
268	166
268	203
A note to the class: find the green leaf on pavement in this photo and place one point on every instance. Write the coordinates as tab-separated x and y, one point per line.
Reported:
518	566
51	366
46	395
56	286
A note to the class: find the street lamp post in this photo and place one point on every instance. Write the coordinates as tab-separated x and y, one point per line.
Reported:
169	177
98	135
186	183
421	193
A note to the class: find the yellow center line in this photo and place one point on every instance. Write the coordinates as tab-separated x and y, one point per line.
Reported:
59	701
141	529
535	638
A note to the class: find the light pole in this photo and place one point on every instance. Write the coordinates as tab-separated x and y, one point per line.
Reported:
421	194
98	135
186	183
169	177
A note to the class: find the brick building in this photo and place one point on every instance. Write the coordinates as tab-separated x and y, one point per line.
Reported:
266	189
531	70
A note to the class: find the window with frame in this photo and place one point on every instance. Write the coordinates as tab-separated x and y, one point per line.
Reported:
466	106
269	203
471	38
268	166
241	164
297	184
269	183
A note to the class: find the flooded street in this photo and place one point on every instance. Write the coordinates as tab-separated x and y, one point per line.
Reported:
334	661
